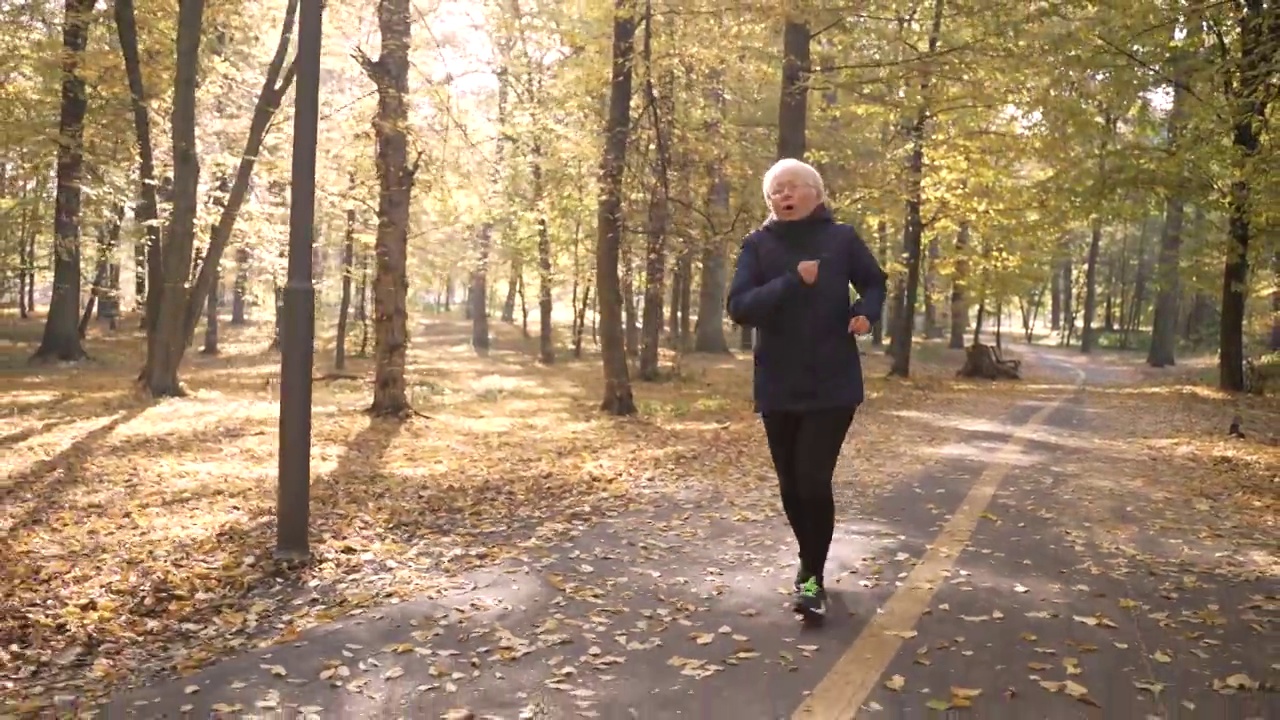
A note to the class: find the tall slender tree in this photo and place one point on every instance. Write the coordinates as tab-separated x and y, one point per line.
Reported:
390	73
618	399
61	339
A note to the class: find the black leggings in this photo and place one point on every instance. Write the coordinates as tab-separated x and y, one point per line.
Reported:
805	447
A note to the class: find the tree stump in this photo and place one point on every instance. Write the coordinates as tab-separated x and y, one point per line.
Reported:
983	361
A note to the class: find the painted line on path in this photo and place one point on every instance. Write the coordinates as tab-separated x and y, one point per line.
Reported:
841	693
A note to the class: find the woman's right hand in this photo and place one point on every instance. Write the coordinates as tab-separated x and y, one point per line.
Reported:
808	270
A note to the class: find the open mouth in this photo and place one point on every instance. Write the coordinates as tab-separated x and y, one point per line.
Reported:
789	207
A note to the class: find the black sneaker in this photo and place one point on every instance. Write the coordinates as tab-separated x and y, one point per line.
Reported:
811	598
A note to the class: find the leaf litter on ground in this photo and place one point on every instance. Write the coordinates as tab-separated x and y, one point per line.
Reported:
1214	496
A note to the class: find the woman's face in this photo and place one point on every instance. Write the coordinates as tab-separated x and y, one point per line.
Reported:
792	196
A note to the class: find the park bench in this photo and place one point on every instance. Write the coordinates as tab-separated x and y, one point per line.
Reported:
986	361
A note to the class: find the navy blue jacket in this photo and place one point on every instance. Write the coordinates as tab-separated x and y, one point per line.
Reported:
805	358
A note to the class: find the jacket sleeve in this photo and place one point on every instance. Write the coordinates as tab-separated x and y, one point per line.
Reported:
751	302
868	279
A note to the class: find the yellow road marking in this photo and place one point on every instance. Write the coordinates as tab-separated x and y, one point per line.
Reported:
846	686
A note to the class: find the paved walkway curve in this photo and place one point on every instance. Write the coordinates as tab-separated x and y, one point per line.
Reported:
967	592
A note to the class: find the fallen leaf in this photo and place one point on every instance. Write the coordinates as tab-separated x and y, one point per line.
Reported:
1151	686
1070	688
1233	683
895	683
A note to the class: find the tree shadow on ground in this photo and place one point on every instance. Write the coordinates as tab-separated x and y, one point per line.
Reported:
45	485
33	430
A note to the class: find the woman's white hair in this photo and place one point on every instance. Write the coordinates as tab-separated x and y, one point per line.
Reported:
805	173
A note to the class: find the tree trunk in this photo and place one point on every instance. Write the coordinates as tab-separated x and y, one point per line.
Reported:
61	339
106	284
579	300
362	303
709	337
241	286
580	322
390	74
348	266
617	399
139	275
1109	302
99	279
662	112
655	264
684	309
999	322
1137	301
882	233
31	258
478	294
913	228
1164	329
524	310
1068	302
26	264
1259	30
478	291
1087	338
959	301
793	110
546	334
631	324
1055	301
513	288
982	316
1088	333
166	341
673	314
146	212
1235	279
1031	312
1274	343
212	302
932	327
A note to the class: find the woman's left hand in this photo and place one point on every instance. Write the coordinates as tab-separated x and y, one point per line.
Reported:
859	325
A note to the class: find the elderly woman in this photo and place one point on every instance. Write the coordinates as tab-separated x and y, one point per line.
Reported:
792	284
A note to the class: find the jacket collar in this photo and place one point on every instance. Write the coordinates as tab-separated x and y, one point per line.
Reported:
820	216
